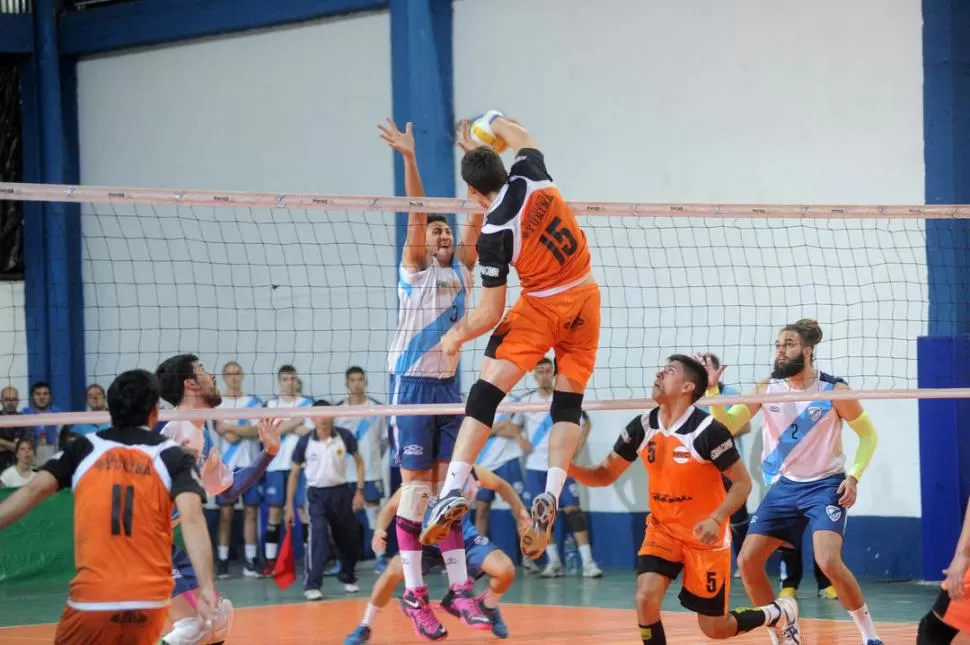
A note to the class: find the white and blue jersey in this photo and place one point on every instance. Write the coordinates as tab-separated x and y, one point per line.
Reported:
371	436
243	452
284	458
431	302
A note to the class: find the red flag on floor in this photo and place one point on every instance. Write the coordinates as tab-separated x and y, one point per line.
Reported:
284	573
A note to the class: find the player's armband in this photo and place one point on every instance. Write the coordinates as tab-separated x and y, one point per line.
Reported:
868	439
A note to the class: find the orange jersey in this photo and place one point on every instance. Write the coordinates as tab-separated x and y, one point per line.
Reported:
684	465
530	227
124	481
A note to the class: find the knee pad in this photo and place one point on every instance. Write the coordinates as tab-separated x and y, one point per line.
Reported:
187	631
222	622
933	631
414	500
576	521
483	401
567	407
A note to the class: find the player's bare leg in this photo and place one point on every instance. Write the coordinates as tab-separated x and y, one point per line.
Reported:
380	595
828	555
482	510
498	377
651	589
564	439
752	562
501	571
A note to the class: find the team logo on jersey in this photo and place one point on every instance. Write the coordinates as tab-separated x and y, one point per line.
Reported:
681	455
834	512
340	452
815	413
518	486
774	408
481	540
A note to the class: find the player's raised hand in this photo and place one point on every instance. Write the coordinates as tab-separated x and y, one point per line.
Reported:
269	434
463	136
403	142
713	373
847	492
378	542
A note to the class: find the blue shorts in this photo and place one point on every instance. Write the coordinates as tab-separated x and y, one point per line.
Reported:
419	442
252	496
476	550
510	471
790	506
373	491
274	488
182	572
535	483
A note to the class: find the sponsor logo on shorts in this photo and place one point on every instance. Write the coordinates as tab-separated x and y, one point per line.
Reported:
575	323
413	449
681	455
490	272
815	413
723	448
834	512
130	618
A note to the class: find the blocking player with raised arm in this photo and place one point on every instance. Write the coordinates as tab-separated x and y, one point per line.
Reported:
950	614
686	451
434	283
529	226
482	558
187	385
804	465
127	480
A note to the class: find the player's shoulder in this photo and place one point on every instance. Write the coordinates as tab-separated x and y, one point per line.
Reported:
530	164
137	436
837	382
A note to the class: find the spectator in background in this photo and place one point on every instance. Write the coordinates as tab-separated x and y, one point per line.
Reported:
22	472
96	403
10	399
41	403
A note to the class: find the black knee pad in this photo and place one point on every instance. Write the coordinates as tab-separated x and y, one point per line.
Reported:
576	521
933	631
566	407
483	400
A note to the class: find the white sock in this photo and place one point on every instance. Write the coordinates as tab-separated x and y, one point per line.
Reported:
271	550
772	613
458	472
555	480
369	614
492	598
863	620
586	554
456	566
250	552
411	562
371	512
223	553
552	552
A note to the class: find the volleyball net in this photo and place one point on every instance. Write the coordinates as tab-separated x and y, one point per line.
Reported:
311	281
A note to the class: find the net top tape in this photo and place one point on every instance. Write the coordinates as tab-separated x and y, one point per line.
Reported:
119	195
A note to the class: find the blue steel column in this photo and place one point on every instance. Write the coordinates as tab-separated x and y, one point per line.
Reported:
944	355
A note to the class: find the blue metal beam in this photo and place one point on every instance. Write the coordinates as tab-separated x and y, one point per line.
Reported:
153	22
16	34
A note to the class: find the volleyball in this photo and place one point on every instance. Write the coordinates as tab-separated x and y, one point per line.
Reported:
481	131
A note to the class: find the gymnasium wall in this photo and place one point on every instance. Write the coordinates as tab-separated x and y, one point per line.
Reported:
284	110
743	102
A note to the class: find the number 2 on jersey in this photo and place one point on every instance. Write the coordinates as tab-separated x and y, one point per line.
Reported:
564	244
121	515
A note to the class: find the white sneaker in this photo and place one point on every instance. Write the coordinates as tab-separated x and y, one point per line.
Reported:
553	570
530	566
592	570
351	588
787	625
313	594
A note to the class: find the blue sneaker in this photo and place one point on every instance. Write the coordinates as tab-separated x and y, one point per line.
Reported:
873	641
499	628
448	510
360	636
380	564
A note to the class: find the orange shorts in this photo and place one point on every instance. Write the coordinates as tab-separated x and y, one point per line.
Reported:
707	571
568	322
127	627
955	613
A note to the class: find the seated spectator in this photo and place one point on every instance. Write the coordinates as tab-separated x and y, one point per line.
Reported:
22	472
9	402
40	403
96	403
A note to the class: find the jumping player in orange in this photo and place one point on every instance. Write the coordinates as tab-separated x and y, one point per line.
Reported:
529	226
950	614
686	451
126	481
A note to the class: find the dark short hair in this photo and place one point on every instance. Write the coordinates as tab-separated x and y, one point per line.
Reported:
39	384
354	369
94	386
132	397
285	369
483	170
320	402
694	372
545	360
436	217
24	440
172	374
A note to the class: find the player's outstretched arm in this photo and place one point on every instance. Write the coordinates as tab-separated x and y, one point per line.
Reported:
468	251
604	474
858	419
737	417
491	481
415	254
483	318
513	134
41	486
